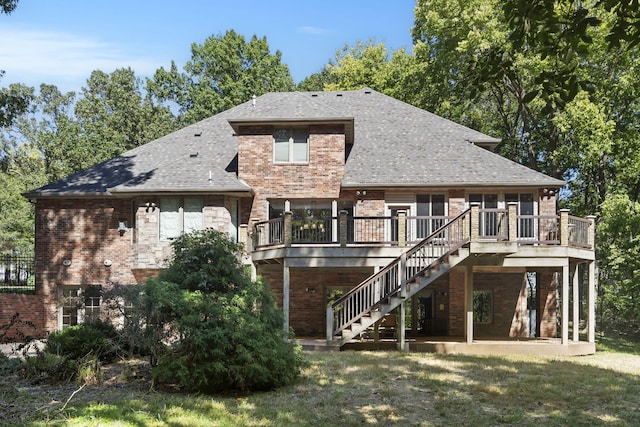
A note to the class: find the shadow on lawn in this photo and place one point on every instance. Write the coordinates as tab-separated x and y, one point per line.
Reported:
618	343
388	388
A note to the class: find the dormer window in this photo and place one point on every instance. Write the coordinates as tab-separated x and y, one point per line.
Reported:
291	145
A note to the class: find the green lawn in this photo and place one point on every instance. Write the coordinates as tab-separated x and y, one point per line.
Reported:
389	388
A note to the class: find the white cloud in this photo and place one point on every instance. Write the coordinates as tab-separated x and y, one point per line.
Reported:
313	30
33	57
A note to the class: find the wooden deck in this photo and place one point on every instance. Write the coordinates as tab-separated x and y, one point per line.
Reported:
457	345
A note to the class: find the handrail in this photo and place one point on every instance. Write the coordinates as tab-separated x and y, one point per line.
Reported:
579	232
392	278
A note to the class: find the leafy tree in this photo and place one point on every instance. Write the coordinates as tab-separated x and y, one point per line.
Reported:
228	326
316	81
16	213
11	105
369	65
57	134
113	116
224	71
13	102
619	253
475	78
8	6
21	169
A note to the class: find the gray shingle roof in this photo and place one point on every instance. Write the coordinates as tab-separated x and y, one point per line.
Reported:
394	144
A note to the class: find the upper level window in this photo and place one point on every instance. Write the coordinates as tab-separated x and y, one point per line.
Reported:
430	209
180	215
291	145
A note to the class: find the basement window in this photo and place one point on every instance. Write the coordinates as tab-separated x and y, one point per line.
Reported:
482	307
79	305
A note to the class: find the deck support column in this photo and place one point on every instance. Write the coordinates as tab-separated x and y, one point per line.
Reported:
576	304
468	292
285	296
565	303
591	285
591	315
402	344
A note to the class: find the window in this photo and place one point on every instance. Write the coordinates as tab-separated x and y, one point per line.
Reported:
291	145
313	221
482	307
526	210
180	215
490	220
431	214
79	306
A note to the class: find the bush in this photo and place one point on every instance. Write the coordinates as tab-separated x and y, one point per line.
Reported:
49	368
229	328
75	342
8	364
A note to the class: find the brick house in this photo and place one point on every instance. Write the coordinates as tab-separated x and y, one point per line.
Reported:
359	210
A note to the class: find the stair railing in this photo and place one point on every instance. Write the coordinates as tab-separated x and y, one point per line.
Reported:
392	279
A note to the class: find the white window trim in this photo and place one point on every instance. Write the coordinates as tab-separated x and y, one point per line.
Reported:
290	147
181	216
81	315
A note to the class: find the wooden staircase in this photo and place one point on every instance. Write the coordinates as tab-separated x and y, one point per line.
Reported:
401	279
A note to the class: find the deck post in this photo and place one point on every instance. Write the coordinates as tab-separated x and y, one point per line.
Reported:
474	218
468	291
343	228
334	222
591	314
565	303
255	233
564	227
329	324
288	228
512	213
576	304
591	237
285	296
402	275
402	345
402	228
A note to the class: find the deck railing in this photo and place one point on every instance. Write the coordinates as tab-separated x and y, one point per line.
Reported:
268	233
538	229
579	232
493	224
362	230
313	230
403	230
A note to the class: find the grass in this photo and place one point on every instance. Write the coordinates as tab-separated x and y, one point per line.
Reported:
390	388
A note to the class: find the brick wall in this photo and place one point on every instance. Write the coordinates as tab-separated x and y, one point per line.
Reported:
29	308
84	232
509	300
547	303
319	178
456	202
456	301
308	293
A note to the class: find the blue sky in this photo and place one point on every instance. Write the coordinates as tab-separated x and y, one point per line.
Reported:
61	42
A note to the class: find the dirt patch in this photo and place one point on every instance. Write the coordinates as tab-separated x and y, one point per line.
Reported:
21	400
